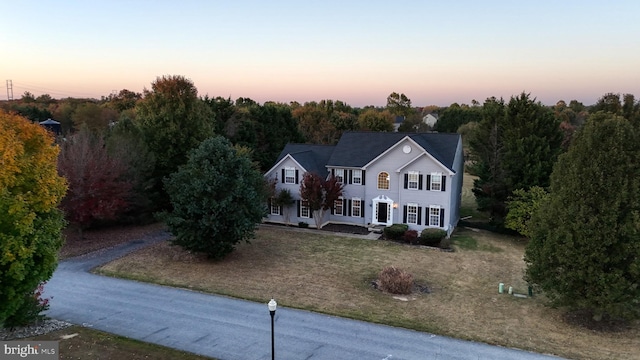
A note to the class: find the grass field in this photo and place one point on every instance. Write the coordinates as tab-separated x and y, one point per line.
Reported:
332	274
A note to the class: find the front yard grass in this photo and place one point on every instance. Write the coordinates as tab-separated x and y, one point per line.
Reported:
79	342
333	274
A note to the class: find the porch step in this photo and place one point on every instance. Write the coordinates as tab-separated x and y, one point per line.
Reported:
378	229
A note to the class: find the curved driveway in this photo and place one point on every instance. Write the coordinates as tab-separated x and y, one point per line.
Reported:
228	328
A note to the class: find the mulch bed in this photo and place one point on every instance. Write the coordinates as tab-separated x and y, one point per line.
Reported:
348	229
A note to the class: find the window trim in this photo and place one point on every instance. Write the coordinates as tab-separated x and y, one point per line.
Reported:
353	207
354	177
292	177
304	207
339	178
272	207
416	181
409	213
338	202
431	216
387	180
436	183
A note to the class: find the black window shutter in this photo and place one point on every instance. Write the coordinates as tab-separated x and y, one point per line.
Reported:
404	215
406	181
428	182
282	175
298	204
296	176
349	207
333	209
444	183
441	217
281	210
363	177
361	208
269	204
420	182
419	215
350	176
333	172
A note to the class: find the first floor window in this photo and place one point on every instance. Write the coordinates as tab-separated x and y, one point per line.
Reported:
304	209
275	209
412	213
339	174
356	177
338	208
356	207
289	175
434	216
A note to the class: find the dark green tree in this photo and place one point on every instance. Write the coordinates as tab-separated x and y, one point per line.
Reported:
514	147
486	150
455	116
532	142
217	198
173	120
584	251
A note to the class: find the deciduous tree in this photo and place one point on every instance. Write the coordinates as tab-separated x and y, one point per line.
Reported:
320	194
584	251
30	224
173	120
374	120
99	188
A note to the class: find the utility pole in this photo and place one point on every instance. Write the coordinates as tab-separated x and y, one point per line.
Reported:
9	90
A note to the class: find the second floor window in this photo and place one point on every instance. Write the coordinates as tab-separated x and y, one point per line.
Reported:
356	177
339	174
383	181
436	181
289	175
413	180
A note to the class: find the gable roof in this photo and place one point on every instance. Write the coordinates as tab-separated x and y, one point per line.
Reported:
357	149
313	158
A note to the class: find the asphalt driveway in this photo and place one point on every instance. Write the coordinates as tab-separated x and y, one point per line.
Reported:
227	328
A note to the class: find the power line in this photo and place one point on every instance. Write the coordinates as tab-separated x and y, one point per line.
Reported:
23	86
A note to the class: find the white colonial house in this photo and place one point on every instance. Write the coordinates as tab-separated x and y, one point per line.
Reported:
389	177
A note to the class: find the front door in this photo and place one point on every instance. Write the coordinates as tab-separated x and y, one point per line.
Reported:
382	212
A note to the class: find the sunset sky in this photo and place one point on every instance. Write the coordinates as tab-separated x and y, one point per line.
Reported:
435	52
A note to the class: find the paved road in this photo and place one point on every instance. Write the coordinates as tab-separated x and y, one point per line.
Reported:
229	329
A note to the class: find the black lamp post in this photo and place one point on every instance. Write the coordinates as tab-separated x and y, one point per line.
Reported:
272	310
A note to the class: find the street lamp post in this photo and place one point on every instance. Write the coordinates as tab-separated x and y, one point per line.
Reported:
272	310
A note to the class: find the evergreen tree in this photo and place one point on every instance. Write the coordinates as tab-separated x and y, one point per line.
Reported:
514	147
217	199
584	251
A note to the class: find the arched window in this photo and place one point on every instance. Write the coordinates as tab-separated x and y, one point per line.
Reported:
383	181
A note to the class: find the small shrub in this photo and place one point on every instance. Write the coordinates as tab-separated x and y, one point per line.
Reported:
411	236
303	224
395	231
31	309
445	243
432	237
395	281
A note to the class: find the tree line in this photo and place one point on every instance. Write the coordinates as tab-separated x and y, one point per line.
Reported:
169	151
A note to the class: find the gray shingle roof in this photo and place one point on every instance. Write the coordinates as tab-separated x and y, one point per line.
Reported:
312	157
356	149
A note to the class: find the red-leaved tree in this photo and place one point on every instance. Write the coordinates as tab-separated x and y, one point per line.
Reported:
320	194
98	186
